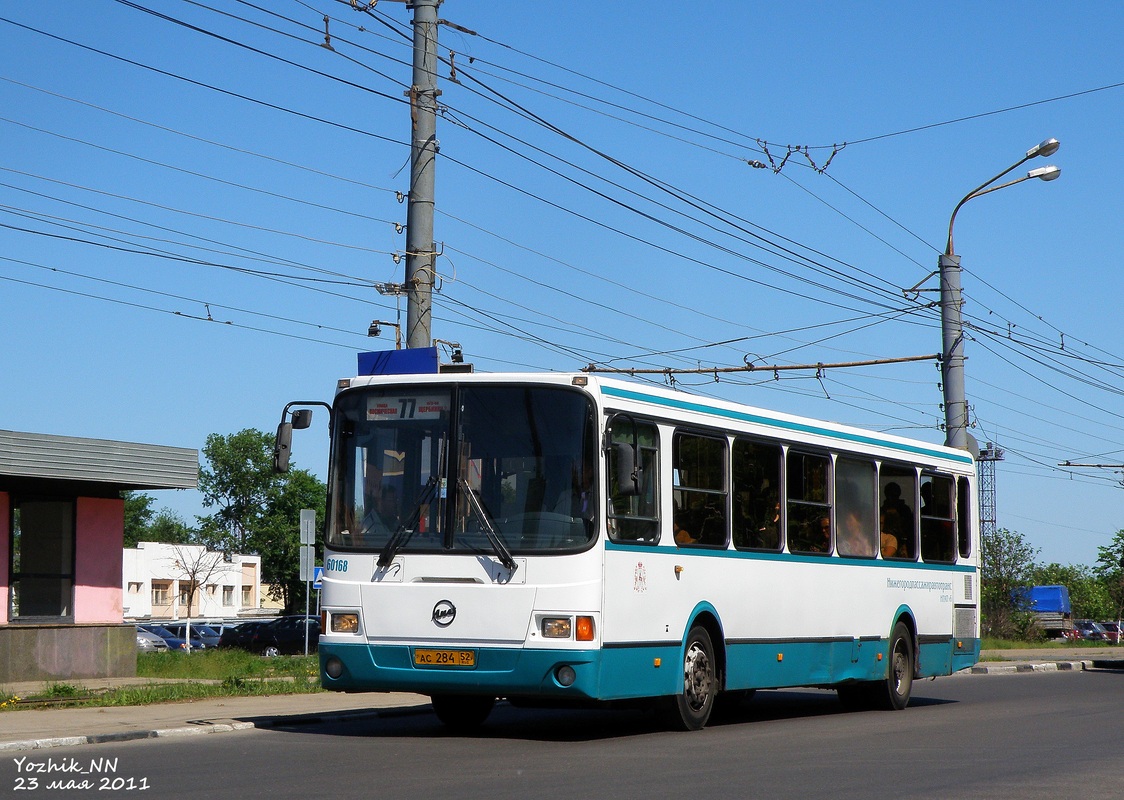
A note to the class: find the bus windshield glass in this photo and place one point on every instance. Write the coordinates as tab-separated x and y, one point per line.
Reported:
406	459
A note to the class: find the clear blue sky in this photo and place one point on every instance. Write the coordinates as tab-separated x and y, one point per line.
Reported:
193	216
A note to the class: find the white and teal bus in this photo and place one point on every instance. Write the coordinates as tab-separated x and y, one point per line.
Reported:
557	538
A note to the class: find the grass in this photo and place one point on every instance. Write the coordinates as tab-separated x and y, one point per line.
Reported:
222	664
1016	644
210	673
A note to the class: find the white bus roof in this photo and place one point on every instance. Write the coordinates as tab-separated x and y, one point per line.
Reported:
649	400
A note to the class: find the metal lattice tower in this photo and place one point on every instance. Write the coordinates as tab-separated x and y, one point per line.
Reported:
989	454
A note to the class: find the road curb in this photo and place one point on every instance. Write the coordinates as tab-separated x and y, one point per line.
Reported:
1048	666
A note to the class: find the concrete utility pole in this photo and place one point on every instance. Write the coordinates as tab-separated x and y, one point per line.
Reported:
420	255
952	326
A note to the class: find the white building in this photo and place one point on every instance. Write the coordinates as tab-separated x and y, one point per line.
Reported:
157	580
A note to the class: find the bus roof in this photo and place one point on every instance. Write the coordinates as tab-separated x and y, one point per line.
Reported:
659	401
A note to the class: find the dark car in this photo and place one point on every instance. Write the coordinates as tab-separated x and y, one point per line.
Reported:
241	636
286	636
175	643
1091	631
202	636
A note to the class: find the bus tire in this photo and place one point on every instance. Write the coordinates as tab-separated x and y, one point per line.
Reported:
691	707
893	693
462	712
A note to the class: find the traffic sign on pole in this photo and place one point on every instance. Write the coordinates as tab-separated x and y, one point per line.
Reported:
308	526
308	562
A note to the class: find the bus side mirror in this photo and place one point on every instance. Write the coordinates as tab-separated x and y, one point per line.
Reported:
283	445
628	473
299	419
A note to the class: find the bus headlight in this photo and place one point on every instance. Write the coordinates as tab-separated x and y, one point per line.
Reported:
556	627
345	623
565	675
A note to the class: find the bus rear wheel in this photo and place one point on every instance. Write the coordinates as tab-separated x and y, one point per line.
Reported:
893	693
690	709
462	712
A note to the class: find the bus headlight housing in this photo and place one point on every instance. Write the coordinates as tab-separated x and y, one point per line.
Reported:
556	627
580	628
344	623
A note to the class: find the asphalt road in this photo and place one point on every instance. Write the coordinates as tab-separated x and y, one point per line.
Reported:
1033	735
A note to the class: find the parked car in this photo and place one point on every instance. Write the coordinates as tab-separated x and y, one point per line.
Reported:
148	642
206	636
173	642
286	636
241	635
1113	631
1091	631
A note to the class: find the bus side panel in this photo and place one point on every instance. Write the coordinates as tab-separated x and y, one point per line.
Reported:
642	623
640	671
786	620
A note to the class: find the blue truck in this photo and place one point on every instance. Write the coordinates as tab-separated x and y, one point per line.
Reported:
1050	606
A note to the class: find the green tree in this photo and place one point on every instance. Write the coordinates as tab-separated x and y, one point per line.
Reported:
257	510
145	524
279	546
1007	560
237	480
1110	569
168	526
138	517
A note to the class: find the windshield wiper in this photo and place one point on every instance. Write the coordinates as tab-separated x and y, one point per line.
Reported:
406	529
489	529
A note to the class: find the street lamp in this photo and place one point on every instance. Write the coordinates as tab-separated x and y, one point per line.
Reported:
375	329
952	328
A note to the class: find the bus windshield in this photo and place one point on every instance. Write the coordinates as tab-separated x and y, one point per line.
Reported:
407	459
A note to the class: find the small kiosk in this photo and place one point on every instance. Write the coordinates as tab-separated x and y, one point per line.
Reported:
62	525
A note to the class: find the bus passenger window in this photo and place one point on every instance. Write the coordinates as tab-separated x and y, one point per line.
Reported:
938	528
855	512
964	516
756	495
699	484
808	507
635	517
897	512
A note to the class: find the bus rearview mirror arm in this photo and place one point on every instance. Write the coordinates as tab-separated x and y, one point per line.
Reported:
299	419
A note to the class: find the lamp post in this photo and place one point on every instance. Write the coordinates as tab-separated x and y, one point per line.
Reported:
952	328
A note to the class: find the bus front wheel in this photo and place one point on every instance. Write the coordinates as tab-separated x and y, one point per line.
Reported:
690	709
462	712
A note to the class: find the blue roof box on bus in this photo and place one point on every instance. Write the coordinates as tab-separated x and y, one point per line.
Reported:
411	361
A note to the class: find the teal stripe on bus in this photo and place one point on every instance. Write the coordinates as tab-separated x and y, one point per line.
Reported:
787	425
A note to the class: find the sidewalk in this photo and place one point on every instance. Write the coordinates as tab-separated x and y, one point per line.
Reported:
34	729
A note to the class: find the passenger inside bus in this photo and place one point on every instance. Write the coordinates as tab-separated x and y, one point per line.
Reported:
896	520
682	536
854	538
383	512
